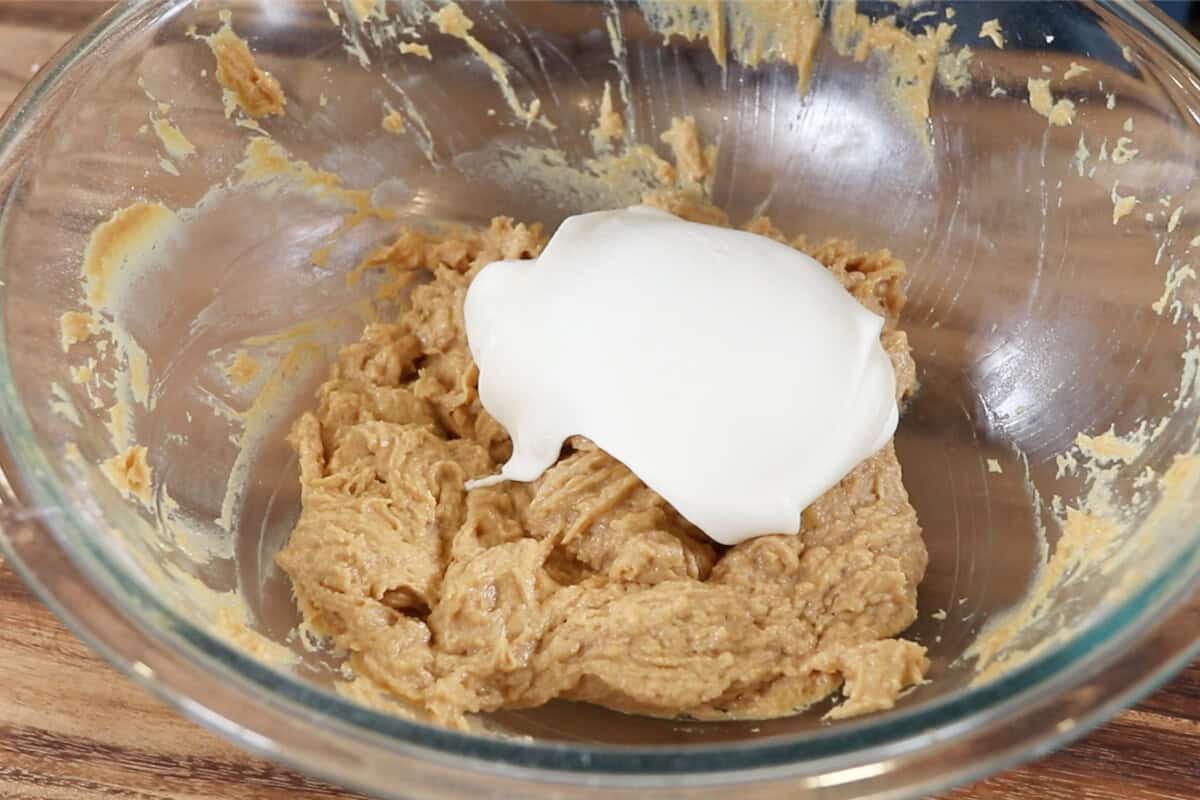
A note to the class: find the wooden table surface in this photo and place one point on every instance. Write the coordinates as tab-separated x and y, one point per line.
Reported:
73	729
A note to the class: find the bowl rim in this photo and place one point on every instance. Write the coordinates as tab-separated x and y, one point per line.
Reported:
24	490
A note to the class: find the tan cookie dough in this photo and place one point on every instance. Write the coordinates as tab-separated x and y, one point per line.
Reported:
584	584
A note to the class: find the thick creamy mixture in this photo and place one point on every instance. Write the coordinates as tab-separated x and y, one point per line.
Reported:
612	333
584	584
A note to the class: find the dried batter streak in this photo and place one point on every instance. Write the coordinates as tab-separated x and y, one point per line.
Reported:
585	584
130	473
610	125
254	89
173	140
992	30
393	121
75	327
694	162
243	369
1059	112
416	49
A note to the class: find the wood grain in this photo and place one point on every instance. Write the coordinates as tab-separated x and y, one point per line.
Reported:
72	729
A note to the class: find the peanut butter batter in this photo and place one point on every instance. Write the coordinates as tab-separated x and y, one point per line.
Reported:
585	584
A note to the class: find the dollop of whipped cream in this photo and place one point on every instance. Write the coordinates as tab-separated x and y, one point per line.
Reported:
733	374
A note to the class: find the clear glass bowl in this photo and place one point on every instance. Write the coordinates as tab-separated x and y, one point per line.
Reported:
1033	317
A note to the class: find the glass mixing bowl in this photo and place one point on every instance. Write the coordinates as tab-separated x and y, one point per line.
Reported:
1038	311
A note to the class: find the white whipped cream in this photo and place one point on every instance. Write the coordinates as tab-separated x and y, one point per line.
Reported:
733	374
